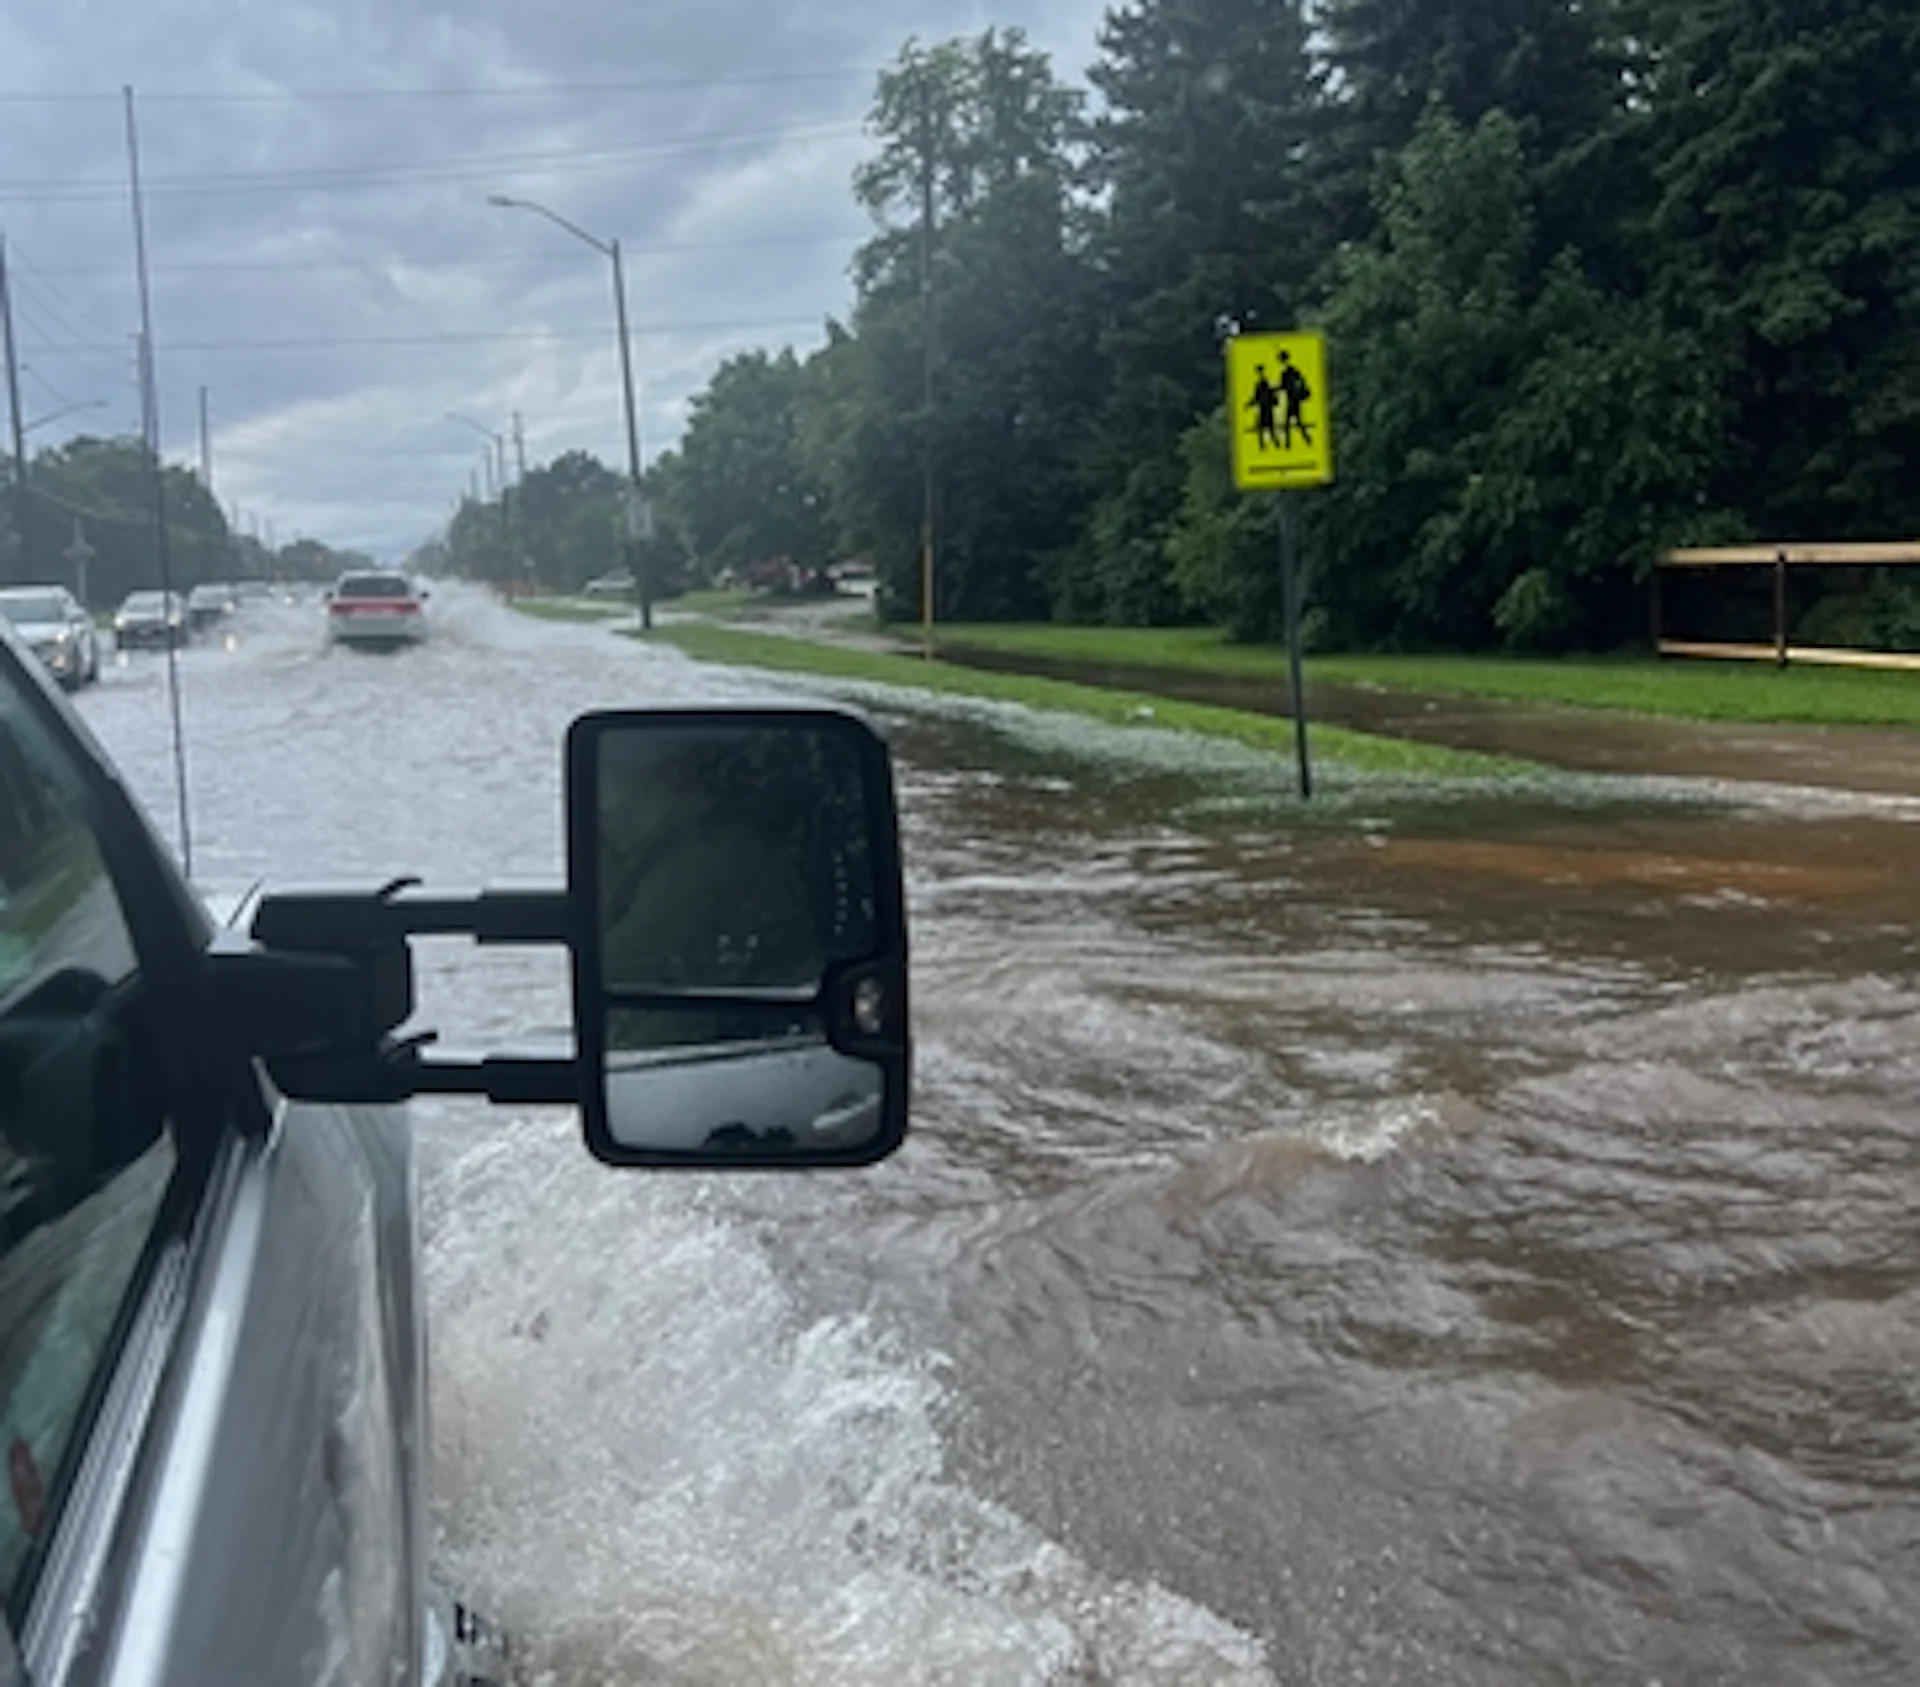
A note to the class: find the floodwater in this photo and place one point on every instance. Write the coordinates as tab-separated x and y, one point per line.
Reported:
1884	759
1451	1236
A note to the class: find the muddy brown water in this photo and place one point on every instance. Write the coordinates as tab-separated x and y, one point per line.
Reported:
1452	1235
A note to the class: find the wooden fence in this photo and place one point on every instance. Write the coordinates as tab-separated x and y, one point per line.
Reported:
1780	558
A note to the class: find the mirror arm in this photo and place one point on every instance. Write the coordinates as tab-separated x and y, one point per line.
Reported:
321	981
523	1080
354	921
400	1071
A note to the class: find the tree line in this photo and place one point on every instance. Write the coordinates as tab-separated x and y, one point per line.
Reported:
91	500
1598	277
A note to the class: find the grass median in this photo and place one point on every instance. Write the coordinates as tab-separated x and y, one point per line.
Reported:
1683	689
1363	752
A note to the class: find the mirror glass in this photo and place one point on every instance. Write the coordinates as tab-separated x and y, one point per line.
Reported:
686	1080
736	871
730	858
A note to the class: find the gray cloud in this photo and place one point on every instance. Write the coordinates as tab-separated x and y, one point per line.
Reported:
304	186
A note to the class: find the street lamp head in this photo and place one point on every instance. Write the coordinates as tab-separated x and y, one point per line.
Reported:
501	199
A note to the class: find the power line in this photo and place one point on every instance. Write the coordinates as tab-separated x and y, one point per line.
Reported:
82	189
248	266
332	342
546	90
47	387
56	302
84	355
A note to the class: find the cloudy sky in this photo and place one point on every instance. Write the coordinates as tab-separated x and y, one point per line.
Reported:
325	262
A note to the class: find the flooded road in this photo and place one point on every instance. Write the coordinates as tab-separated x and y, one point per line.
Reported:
1455	1236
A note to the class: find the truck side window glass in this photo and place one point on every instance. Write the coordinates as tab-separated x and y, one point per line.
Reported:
85	1155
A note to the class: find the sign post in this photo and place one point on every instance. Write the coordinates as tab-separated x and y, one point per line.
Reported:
80	553
1282	439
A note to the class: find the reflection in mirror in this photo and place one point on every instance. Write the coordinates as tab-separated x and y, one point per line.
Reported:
735	1080
731	856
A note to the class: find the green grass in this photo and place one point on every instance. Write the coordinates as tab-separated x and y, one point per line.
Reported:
1358	750
1682	687
711	600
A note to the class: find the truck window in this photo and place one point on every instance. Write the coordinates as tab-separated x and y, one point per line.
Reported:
85	1155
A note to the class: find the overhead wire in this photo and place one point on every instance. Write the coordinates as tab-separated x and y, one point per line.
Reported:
33	276
359	177
54	394
544	90
90	356
442	260
333	342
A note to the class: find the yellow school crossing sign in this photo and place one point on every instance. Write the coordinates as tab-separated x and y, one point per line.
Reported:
1277	411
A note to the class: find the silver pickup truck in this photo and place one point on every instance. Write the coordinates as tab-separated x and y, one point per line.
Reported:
212	1392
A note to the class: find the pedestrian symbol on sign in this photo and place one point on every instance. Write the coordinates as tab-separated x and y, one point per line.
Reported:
1276	383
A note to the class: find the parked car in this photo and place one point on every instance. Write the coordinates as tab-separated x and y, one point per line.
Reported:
212	1354
151	618
376	609
52	624
211	603
609	585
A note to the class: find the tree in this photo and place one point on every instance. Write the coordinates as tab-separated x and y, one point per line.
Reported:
107	486
1514	443
567	517
740	489
1788	163
979	132
1201	168
1554	68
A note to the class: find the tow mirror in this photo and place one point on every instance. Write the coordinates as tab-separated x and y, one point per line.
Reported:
735	920
739	941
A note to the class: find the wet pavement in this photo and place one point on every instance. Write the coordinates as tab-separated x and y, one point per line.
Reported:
1457	1234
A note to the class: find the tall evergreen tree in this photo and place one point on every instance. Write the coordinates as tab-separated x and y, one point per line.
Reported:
1787	148
984	127
1201	171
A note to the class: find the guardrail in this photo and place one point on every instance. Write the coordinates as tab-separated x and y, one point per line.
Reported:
1780	558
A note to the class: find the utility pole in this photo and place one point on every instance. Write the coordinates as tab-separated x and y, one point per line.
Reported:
928	322
206	446
639	517
22	507
150	429
520	480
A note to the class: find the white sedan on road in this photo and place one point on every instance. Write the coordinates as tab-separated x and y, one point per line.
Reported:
55	628
376	609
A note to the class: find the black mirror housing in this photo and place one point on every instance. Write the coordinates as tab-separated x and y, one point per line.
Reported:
738	938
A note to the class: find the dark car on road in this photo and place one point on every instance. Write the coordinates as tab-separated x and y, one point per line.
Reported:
152	620
211	603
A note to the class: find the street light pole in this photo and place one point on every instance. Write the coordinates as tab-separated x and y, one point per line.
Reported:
496	467
610	249
642	585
